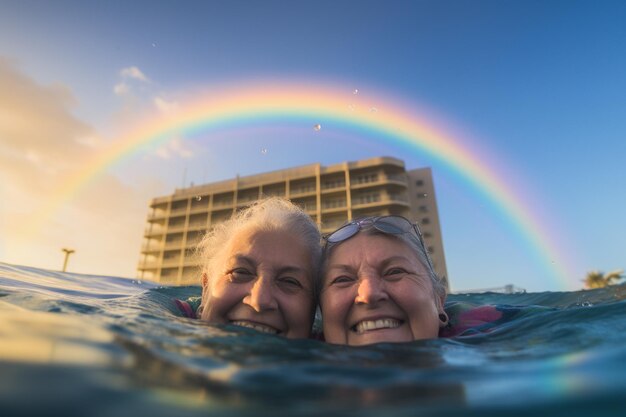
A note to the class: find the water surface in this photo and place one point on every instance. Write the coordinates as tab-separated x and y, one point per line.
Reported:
74	344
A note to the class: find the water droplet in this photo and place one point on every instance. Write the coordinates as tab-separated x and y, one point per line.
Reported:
317	127
586	304
425	194
264	151
139	282
154	44
198	197
373	110
351	107
355	91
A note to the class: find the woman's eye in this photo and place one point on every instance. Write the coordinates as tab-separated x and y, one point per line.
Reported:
395	272
240	275
293	282
343	279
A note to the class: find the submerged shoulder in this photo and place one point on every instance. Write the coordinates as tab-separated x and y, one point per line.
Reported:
188	307
466	318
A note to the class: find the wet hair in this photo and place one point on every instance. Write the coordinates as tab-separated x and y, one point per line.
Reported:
270	214
439	289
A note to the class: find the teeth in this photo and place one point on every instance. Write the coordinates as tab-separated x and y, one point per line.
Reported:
256	326
364	326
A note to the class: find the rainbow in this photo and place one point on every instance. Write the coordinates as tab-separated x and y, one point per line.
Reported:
390	120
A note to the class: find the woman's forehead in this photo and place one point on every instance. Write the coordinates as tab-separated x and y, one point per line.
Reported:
372	246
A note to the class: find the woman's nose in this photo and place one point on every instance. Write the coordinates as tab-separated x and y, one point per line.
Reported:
371	290
261	295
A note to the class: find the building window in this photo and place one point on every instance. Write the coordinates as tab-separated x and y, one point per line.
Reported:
365	178
334	183
425	220
422	195
423	209
331	204
419	183
367	198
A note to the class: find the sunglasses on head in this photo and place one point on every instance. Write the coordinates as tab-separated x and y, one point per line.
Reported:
391	225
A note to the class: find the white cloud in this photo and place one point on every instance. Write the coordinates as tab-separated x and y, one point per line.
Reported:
134	72
175	147
165	106
38	127
163	152
92	141
121	88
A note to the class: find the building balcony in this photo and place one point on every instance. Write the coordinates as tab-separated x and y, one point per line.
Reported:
381	201
328	227
152	265
179	227
197	226
159	215
151	247
301	192
177	244
199	209
154	231
246	201
222	204
171	263
178	211
333	186
380	180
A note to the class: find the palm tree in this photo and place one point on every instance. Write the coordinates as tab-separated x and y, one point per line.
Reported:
613	276
598	279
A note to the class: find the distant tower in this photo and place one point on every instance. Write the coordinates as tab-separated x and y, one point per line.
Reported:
68	252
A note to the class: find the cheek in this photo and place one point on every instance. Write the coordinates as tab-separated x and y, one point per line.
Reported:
220	299
334	306
298	313
422	312
297	308
414	298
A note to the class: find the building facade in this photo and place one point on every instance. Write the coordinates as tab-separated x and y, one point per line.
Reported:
331	195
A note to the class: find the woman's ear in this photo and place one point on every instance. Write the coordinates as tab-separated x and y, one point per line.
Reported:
443	316
442	302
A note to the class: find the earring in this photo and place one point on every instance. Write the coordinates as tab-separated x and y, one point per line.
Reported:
443	317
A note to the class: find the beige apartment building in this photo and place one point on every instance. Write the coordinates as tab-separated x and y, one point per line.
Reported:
331	195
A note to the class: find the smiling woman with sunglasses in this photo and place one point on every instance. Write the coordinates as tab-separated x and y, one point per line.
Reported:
379	285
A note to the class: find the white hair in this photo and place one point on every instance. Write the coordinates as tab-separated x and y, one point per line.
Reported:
269	214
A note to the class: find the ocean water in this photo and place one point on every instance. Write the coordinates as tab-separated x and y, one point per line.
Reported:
74	344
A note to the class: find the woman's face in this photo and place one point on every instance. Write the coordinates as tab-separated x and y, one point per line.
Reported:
375	290
265	283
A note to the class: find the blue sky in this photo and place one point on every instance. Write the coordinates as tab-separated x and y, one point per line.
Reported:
540	84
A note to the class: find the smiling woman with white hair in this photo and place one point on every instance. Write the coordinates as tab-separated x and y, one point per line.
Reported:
259	269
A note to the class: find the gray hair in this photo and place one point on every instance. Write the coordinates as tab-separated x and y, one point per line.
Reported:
269	214
439	289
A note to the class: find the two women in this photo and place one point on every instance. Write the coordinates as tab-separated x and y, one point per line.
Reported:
377	282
